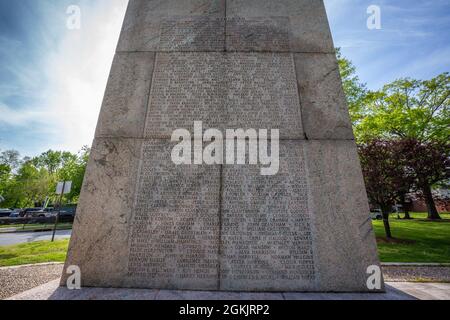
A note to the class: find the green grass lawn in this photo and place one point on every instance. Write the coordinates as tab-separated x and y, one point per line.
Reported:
430	240
35	252
30	227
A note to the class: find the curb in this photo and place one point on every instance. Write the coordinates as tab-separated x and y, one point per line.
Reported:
414	264
30	231
33	265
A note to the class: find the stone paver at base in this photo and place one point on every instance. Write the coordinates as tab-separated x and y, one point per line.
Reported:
394	291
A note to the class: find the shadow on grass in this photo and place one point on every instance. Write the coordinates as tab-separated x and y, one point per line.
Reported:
395	241
7	256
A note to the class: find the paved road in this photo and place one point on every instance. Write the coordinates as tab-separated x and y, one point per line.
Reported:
7	239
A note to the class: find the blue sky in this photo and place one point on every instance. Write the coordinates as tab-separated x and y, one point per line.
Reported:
414	40
52	79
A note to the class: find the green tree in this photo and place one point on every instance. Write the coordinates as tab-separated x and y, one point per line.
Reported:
50	160
33	179
10	158
412	110
408	109
73	169
355	90
31	185
5	172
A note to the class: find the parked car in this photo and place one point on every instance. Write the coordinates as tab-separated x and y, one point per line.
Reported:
5	213
15	213
43	214
65	216
65	213
376	214
70	209
32	212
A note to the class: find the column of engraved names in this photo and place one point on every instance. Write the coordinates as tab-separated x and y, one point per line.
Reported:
262	93
266	225
175	223
192	33
258	34
186	87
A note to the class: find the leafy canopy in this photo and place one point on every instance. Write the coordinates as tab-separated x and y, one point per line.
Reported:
408	109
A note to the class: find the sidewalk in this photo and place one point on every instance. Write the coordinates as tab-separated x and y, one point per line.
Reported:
401	284
395	291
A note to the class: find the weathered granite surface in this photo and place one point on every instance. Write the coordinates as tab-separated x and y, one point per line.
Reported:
174	238
272	233
144	222
344	243
125	103
287	25
237	25
173	25
266	226
282	232
100	234
235	90
324	109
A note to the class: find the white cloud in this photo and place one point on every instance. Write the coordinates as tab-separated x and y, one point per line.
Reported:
78	71
19	118
65	107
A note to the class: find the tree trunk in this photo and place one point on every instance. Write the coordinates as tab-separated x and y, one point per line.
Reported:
405	209
433	214
387	226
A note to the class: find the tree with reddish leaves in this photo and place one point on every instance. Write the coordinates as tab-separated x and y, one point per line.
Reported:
385	177
429	164
405	180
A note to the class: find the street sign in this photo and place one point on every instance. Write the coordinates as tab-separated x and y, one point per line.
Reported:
46	202
62	188
66	185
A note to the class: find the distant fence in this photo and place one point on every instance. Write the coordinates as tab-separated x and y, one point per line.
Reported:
40	220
